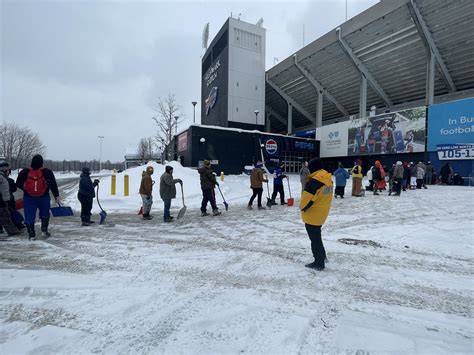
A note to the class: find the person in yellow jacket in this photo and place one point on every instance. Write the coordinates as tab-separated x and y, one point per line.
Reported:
315	203
357	178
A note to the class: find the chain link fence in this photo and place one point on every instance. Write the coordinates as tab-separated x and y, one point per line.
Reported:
68	166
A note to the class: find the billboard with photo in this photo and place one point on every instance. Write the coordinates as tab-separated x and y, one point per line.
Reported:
387	133
451	123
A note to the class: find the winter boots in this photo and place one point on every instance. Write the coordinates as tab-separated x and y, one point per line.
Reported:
31	231
316	266
44	228
215	212
147	216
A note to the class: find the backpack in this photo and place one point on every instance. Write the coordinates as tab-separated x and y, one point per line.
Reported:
35	184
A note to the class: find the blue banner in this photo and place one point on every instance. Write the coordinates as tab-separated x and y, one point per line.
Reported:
451	123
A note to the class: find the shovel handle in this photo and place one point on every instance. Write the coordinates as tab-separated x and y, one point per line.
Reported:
182	193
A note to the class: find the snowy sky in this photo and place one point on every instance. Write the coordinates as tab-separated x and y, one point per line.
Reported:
72	70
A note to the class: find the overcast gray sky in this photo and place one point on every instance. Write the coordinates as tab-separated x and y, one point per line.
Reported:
72	70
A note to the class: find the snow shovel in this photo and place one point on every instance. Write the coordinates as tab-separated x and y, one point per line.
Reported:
19	204
182	211
102	213
269	200
225	203
291	200
61	211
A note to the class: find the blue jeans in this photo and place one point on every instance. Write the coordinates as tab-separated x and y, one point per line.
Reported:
31	204
167	214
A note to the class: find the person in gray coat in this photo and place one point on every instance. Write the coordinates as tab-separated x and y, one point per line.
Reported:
304	173
397	178
168	191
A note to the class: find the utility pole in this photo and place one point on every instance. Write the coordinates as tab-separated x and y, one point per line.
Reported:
100	152
194	111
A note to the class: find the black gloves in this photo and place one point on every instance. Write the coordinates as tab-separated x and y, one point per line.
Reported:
310	203
96	182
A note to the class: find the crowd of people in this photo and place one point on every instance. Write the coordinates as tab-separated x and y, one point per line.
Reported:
317	192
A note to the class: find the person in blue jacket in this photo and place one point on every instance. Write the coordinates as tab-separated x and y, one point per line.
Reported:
86	195
341	176
278	184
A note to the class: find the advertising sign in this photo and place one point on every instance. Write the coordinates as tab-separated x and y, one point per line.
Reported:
388	133
455	151
334	139
183	142
451	123
271	146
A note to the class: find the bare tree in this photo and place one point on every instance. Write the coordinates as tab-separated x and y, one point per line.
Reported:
167	119
19	144
146	149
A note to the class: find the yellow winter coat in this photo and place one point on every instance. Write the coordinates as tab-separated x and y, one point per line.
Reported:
357	171
317	198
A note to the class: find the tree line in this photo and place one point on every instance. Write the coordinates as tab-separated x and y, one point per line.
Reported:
19	144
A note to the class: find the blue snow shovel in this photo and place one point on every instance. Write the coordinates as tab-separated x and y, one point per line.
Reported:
102	213
61	211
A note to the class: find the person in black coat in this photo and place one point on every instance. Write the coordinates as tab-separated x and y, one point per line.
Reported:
86	195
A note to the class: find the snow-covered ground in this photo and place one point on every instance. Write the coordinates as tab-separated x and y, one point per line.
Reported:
399	277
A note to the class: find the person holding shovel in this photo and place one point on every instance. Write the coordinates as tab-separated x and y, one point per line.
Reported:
278	184
146	189
208	183
168	191
256	179
86	195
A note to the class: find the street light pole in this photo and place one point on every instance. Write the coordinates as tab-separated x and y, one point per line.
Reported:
100	152
194	111
256	118
176	124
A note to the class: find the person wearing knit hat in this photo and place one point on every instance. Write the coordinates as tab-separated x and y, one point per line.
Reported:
146	192
168	191
315	203
397	178
86	195
36	183
304	173
356	173
278	185
208	183
378	175
257	178
5	216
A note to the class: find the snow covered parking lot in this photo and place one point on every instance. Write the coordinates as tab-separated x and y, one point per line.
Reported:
237	282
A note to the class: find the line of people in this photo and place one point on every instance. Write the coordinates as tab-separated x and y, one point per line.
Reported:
208	183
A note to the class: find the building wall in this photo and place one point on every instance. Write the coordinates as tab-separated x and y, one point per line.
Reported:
233	75
215	78
246	73
230	150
